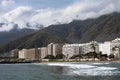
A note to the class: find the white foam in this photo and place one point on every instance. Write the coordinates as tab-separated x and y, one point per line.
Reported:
101	71
57	64
91	73
85	69
73	66
105	68
100	63
81	66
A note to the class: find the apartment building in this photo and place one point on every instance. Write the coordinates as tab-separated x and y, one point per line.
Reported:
54	49
75	49
104	47
115	48
29	54
14	53
44	52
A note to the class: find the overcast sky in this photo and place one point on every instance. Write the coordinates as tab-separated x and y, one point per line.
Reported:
47	12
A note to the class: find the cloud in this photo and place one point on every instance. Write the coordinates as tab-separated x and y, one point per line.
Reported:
80	10
19	15
7	27
6	3
18	12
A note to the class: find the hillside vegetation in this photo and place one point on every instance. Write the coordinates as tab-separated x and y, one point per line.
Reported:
103	28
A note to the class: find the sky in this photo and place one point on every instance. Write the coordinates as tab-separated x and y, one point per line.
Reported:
48	12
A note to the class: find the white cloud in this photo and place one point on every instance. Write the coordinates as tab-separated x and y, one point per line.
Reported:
79	10
5	3
17	13
20	16
110	8
7	27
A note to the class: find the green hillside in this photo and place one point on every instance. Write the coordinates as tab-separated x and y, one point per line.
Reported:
103	28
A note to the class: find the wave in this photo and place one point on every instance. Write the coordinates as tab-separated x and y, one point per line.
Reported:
95	71
73	66
84	69
100	63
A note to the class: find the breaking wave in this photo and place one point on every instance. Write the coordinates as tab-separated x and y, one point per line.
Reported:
71	65
96	71
100	63
86	69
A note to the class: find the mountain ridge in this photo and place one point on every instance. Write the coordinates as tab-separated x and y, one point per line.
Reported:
103	28
14	31
83	28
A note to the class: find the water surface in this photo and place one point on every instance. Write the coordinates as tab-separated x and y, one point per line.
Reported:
60	71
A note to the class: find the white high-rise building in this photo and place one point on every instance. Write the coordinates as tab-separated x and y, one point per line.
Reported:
29	54
105	47
44	52
115	48
50	49
54	49
75	49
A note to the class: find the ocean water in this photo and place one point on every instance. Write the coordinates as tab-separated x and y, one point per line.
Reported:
60	71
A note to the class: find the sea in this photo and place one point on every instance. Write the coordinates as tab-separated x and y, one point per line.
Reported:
60	71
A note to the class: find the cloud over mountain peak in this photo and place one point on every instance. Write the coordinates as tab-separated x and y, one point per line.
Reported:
80	9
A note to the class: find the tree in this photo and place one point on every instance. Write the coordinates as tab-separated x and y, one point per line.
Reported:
111	56
76	56
49	57
59	56
99	55
80	54
103	57
91	55
94	48
116	52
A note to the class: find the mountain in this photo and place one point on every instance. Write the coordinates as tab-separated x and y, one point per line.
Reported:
13	31
106	27
7	36
32	41
103	28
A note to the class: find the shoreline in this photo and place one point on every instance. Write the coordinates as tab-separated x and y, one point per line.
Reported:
85	62
114	61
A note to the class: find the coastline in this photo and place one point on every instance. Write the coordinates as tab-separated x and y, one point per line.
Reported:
84	62
46	62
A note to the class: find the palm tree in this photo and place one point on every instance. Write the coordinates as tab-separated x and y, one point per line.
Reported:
115	49
80	55
111	56
94	48
68	57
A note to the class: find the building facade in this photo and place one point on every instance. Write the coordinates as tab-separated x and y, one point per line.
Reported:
76	49
54	49
15	53
115	48
104	47
57	49
44	52
29	54
69	50
50	49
